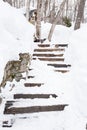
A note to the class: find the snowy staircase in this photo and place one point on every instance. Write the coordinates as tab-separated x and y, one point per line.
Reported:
53	56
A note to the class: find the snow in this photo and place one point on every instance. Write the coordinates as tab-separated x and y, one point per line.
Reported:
78	55
16	36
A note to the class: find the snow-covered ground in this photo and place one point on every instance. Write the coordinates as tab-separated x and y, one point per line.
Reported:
16	36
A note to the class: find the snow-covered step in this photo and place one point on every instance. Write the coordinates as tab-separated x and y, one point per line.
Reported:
8	123
33	96
30	77
55	45
62	71
50	59
61	45
33	84
49	50
44	45
33	109
34	102
60	65
48	55
30	69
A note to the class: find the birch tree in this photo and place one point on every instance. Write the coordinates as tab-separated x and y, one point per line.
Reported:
67	3
79	14
52	12
13	3
33	3
56	19
38	19
27	8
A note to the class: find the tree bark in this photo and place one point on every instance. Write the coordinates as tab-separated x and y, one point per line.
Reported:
79	14
27	8
67	8
56	20
38	19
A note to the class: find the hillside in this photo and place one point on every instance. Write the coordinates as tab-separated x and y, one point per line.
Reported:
16	36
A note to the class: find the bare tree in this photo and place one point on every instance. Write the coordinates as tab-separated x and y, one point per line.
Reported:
79	14
38	19
56	19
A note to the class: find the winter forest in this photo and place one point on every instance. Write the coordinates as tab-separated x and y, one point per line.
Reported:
43	49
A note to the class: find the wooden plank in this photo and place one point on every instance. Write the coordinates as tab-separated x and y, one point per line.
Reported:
48	50
32	96
62	71
59	65
48	55
32	84
8	123
30	77
44	45
61	45
33	109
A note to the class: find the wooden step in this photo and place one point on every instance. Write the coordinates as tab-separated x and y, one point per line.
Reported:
8	123
33	84
44	45
59	65
33	109
48	55
61	45
56	45
50	59
30	77
48	50
32	96
62	71
30	69
9	103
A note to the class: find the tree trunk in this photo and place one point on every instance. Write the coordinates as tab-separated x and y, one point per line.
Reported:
27	8
56	20
52	13
38	19
67	8
13	3
79	14
43	10
33	3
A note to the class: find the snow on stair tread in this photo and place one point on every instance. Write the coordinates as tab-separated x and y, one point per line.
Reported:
49	52
35	102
